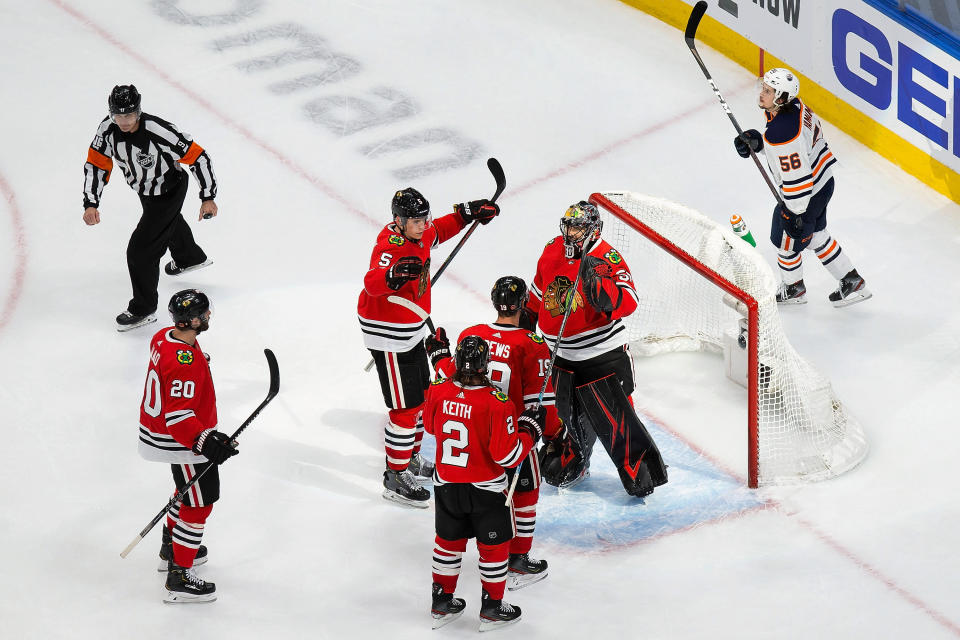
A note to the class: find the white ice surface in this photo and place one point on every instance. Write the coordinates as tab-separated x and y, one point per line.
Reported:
572	97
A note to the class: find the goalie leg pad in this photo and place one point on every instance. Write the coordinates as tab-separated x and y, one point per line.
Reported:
623	435
563	458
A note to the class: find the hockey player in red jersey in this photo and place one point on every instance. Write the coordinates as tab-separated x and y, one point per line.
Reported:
801	164
178	419
400	266
478	435
593	372
518	367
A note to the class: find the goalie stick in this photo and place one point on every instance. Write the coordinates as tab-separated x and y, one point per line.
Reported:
501	181
571	297
271	393
689	35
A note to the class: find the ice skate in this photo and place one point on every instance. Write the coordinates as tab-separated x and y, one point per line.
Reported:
127	321
852	289
183	586
166	552
496	613
172	269
402	487
421	467
795	293
445	607
525	571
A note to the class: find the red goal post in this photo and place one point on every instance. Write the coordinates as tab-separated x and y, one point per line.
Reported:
702	288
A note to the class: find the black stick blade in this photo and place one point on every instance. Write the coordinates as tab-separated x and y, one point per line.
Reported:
695	17
274	373
497	171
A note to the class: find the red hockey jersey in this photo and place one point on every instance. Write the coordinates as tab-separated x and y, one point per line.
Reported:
518	364
178	400
387	326
476	432
588	332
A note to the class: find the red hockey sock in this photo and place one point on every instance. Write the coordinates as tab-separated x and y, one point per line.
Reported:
400	436
187	534
493	567
525	514
447	555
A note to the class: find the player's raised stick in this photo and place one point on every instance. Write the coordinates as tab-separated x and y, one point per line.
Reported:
690	35
271	393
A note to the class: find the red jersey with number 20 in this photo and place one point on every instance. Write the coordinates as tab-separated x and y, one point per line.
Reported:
476	432
178	403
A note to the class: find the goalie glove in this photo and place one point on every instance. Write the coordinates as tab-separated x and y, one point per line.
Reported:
437	346
599	286
215	446
403	270
482	210
754	139
532	421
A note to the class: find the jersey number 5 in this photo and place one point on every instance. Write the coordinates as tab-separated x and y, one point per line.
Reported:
453	447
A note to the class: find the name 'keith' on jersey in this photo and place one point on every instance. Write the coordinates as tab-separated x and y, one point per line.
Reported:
178	402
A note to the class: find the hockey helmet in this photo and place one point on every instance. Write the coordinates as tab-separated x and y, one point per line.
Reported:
472	356
410	203
784	83
509	294
188	304
124	99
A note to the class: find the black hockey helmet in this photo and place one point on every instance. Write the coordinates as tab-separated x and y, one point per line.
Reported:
509	294
581	215
472	356
124	99
188	304
410	203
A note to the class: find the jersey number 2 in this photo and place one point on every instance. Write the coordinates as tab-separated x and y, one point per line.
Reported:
453	447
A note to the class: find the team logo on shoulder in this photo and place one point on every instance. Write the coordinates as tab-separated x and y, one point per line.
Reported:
397	240
535	337
550	241
499	395
439	380
613	256
185	357
555	297
146	160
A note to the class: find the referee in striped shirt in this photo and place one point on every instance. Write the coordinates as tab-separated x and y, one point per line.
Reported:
150	152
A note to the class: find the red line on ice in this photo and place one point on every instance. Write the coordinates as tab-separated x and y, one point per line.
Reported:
20	253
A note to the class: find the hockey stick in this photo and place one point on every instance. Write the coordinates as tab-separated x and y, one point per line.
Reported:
413	306
571	298
689	35
274	389
501	180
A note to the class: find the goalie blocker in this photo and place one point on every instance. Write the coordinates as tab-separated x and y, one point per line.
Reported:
601	410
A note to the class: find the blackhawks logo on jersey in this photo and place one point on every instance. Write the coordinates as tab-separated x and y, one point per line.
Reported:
613	256
535	337
555	297
397	240
424	279
185	357
499	395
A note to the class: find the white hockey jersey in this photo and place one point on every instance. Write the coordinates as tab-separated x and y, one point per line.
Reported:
797	154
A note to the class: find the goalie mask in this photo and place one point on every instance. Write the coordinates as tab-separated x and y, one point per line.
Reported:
473	356
509	295
580	224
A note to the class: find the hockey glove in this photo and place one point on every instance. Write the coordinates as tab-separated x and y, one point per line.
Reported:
437	346
599	286
482	210
792	222
532	421
215	446
754	139
528	319
403	270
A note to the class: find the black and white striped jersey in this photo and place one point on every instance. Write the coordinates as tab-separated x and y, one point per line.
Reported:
150	159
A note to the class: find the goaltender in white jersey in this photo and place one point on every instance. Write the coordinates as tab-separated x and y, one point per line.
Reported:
802	166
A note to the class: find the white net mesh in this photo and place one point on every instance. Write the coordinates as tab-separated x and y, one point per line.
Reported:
803	431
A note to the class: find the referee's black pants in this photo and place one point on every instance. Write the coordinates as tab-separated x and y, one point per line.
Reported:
161	227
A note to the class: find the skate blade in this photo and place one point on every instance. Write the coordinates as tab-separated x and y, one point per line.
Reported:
441	619
163	567
407	502
175	597
518	581
854	298
801	300
490	625
193	268
128	327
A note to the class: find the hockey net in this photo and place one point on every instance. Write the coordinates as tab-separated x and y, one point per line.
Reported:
696	280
